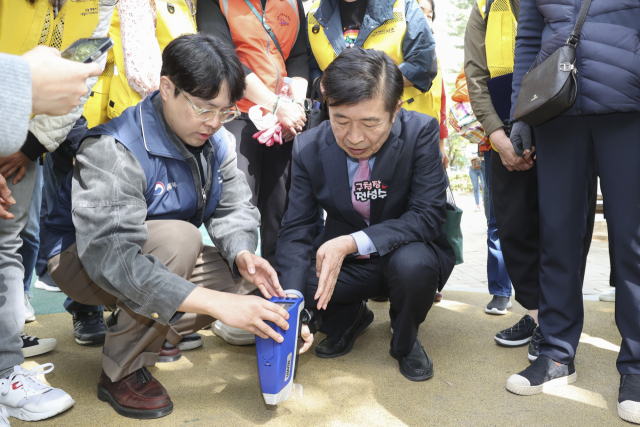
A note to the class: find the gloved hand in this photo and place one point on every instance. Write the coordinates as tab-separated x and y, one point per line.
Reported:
269	136
521	138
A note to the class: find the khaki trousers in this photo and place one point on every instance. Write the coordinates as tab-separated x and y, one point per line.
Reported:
135	341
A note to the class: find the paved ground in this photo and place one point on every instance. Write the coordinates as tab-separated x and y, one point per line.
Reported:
472	274
217	385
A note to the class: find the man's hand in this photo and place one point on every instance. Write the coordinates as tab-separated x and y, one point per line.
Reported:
6	200
307	336
509	158
57	84
250	312
258	271
292	117
16	162
305	332
522	141
328	263
445	159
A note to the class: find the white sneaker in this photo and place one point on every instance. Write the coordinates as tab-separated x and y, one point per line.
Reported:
29	312
609	296
4	417
34	346
233	336
29	399
42	285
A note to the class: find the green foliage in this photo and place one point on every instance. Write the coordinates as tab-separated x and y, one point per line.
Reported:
461	182
457	19
454	147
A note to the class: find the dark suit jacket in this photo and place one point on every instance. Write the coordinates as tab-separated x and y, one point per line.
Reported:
409	164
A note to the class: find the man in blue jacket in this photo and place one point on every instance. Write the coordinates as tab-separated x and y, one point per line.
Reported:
600	131
376	170
124	228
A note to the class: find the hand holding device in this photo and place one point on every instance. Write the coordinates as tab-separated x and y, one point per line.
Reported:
56	83
277	362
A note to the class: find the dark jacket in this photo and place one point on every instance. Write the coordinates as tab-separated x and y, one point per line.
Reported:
418	46
608	55
408	165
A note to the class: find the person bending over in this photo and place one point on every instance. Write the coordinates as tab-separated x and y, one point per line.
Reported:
376	170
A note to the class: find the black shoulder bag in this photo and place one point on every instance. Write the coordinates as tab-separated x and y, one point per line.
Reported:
550	89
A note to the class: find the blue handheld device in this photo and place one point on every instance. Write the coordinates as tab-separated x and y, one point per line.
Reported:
277	361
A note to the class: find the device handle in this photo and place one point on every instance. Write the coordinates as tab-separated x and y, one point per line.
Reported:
295	292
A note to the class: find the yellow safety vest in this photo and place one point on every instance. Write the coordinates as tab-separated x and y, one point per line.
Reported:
112	94
500	38
24	26
387	38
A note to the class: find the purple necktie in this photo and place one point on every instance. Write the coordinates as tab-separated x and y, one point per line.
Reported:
363	208
362	174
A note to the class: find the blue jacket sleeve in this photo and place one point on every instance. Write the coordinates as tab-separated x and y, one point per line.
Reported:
528	42
419	49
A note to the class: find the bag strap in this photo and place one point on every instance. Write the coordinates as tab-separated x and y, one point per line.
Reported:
267	28
453	199
575	34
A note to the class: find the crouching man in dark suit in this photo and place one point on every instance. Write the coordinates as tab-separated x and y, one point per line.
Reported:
376	171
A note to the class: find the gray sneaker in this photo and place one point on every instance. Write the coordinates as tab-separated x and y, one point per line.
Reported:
540	376
498	305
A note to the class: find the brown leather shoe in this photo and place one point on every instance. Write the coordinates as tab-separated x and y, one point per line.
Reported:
169	353
138	395
438	297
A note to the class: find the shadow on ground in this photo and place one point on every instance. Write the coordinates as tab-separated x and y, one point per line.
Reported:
217	385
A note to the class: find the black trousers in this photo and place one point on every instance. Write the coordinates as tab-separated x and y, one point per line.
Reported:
409	276
268	173
515	202
568	149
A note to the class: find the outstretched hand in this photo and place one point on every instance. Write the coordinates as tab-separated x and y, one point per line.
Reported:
258	271
329	260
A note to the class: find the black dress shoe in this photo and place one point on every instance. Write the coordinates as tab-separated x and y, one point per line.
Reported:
415	365
329	348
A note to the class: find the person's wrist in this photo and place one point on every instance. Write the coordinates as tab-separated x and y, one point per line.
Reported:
239	254
351	245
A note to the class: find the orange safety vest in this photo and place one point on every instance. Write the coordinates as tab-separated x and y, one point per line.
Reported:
254	46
